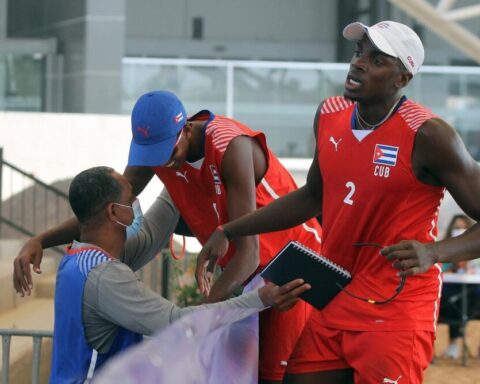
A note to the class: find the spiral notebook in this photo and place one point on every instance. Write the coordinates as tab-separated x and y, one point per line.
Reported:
296	261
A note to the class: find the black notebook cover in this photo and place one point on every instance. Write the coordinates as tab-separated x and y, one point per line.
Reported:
295	261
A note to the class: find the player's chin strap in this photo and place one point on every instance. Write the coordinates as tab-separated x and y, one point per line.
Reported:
172	251
368	300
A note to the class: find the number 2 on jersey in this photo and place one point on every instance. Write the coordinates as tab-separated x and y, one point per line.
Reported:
348	199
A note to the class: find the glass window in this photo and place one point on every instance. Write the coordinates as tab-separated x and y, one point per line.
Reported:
21	82
199	87
281	99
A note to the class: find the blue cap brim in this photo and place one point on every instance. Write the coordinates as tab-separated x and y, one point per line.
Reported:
151	155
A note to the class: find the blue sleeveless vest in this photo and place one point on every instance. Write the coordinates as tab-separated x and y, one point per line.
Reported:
73	360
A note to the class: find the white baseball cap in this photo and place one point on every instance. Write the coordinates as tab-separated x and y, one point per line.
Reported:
392	38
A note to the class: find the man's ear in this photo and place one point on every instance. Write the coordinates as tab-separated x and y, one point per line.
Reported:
188	129
403	79
110	212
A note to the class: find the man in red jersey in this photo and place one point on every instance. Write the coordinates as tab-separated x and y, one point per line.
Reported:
217	169
381	165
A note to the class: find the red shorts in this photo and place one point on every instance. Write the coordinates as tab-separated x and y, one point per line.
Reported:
279	333
376	357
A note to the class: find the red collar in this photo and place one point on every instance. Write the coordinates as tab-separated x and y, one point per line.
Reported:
71	251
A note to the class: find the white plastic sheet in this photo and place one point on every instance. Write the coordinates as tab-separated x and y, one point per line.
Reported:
205	347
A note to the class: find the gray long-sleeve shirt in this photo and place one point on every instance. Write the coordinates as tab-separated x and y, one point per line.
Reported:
114	296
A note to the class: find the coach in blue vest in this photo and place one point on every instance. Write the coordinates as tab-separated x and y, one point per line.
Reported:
101	307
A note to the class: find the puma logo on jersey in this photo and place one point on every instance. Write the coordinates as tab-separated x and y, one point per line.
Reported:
335	143
390	381
182	175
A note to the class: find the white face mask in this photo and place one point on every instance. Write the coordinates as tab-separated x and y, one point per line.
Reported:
136	224
457	231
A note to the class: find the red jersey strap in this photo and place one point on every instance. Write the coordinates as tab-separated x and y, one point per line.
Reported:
70	251
335	104
222	131
415	114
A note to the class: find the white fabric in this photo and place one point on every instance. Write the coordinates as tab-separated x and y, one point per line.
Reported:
91	368
394	39
204	347
360	134
197	164
457	231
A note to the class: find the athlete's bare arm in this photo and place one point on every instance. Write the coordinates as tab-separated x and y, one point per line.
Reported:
243	166
440	158
286	212
32	253
138	177
32	250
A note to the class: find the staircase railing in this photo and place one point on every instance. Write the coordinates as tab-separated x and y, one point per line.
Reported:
27	204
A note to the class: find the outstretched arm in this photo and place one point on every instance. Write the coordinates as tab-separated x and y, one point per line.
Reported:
32	251
114	292
288	211
412	257
440	158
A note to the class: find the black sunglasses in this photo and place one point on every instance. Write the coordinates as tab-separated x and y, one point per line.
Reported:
369	300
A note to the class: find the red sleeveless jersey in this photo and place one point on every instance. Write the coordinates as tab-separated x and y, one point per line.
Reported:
371	194
200	196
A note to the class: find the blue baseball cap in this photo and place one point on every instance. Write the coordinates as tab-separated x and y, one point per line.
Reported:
157	117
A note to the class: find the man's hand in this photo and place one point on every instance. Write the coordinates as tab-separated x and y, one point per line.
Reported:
282	298
31	253
214	248
411	257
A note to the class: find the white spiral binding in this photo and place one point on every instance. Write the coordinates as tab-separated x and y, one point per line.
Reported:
330	264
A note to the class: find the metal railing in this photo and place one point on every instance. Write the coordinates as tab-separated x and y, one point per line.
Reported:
280	98
28	205
37	337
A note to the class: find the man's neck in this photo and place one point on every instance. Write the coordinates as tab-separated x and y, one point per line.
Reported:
375	114
197	142
110	241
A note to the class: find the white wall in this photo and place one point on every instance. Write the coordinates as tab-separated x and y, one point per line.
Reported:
58	146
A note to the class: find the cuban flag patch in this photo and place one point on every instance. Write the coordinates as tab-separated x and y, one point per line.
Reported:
178	118
385	155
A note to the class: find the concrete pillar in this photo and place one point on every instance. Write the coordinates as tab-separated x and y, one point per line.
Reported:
91	40
3	19
104	50
93	59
